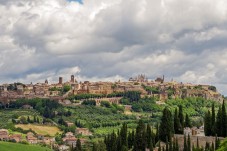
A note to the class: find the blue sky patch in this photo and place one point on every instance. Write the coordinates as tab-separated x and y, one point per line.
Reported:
80	1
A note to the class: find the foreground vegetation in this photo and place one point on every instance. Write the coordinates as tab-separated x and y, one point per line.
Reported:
103	120
7	146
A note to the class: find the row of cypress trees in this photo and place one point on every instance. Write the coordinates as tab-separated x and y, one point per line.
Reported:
173	125
216	124
137	140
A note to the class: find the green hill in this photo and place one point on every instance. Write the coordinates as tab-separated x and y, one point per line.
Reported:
6	146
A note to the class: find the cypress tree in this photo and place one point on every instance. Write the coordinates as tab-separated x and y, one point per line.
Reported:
213	129
181	118
157	133
119	143
219	122
133	137
176	122
34	119
37	120
140	141
223	120
207	124
123	134
28	119
130	140
78	145
149	135
187	121
166	126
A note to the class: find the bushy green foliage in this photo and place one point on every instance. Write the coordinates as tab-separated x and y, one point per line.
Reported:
66	88
105	104
55	89
89	102
153	90
192	106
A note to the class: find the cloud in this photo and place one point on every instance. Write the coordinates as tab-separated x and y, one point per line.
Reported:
103	39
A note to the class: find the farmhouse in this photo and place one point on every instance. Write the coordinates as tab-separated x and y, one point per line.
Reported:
31	138
83	131
4	134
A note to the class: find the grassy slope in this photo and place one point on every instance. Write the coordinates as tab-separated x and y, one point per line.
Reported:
6	146
40	129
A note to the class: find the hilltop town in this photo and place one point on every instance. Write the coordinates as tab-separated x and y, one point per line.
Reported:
60	91
70	111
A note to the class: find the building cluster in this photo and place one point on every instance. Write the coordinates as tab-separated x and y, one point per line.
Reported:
31	138
194	131
69	139
55	91
4	136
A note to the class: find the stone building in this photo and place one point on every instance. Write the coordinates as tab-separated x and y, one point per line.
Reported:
83	131
4	134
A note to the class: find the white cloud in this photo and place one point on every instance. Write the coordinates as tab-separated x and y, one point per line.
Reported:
110	40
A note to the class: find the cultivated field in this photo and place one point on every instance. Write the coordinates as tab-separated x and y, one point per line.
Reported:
40	129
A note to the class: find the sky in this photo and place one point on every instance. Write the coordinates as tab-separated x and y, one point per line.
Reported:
185	40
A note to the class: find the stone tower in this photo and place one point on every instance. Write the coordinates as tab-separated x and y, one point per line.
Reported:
60	80
72	79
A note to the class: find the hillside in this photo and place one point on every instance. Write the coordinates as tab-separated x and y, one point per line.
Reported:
6	146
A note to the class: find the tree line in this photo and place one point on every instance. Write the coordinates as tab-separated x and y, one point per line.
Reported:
216	124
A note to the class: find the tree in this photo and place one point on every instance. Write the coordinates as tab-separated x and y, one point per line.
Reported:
140	140
181	118
223	146
123	135
47	112
28	119
177	129
207	124
223	111
34	119
213	125
219	123
149	136
166	129
187	121
78	145
66	88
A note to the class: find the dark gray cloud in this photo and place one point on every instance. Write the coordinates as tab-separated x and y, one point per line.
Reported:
110	40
